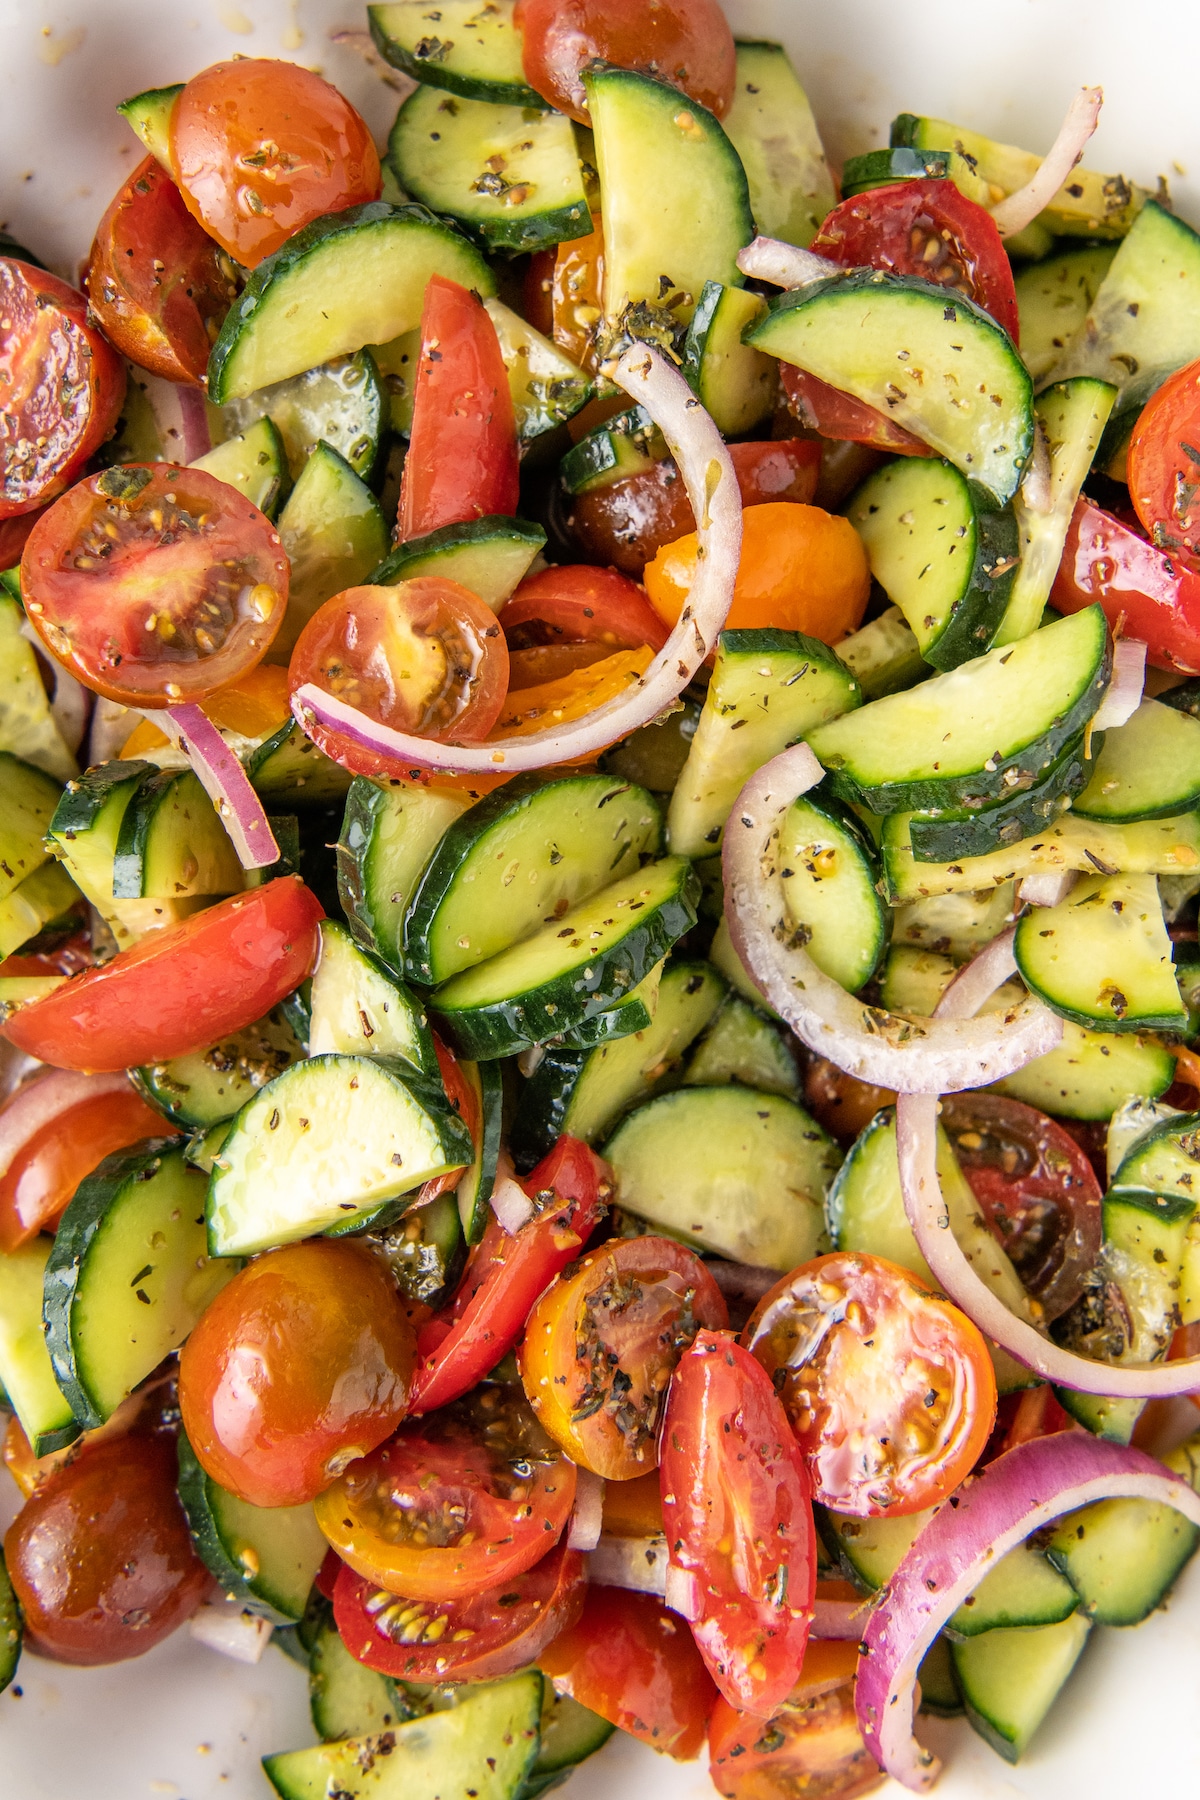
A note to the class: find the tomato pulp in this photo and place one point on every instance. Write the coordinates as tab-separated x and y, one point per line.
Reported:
1156	594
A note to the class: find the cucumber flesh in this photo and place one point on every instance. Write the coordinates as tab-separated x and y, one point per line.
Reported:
200	1090
489	556
149	114
1122	1556
1161	1164
171	844
27	725
903	162
1024	1588
28	799
954	925
830	896
33	904
735	384
474	1191
254	462
334	534
264	1557
360	1009
1146	313
743	1046
547	388
1010	1679
287	766
1053	298
1147	768
342	403
883	656
26	1372
771	126
1102	957
954	832
472	50
388	835
634	1013
345	1698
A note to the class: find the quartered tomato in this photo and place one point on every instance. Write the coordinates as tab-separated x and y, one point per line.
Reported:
811	1747
1163	466
254	706
634	1509
1156	594
179	989
156	281
602	1343
837	415
261	148
488	1633
14	535
737	1509
685	42
63	386
889	1387
455	1502
155	584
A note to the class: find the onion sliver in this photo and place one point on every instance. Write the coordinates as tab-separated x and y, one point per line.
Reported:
1015	212
1124	694
841	1619
888	1050
587	1516
636	1563
990	1515
712	488
193	414
769	259
225	782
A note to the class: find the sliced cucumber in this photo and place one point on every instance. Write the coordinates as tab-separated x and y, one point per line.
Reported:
519	858
1024	1588
771	126
26	1372
1053	298
33	904
1010	1679
947	564
27	725
574	966
1148	768
955	925
334	534
547	388
467	48
872	1549
28	800
150	115
1146	313
627	444
883	656
881	168
171	844
254	462
345	1698
654	756
388	835
426	1248
736	385
264	1557
768	688
287	766
1102	956
474	1191
736	1173
1144	1242
200	1090
489	556
570	1734
724	957
1163	1163
901	346
128	1276
358	1008
86	824
341	403
11	1628
742	1045
397	364
970	831
325	1143
830	870
938	1682
633	1013
1122	1556
349	279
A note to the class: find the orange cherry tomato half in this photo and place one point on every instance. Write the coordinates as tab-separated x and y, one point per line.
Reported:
457	1501
633	1509
842	1103
812	1746
889	1387
577	295
179	989
63	384
489	1633
602	1343
1163	466
685	42
737	1509
260	148
569	695
157	283
632	1661
155	584
301	1364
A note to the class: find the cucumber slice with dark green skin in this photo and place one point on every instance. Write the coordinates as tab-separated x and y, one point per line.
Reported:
871	1550
27	725
903	162
26	1372
1101	1414
1010	1679
883	656
345	1698
150	115
573	967
11	1628
1112	454
946	563
508	175
632	1014
723	956
1146	314
969	735
520	857
86	824
287	766
358	1008
654	756
938	1682
474	1191
584	1093
34	903
898	344
349	279
976	831
768	688
128	1276
1144	1240
1102	957
1024	1588
264	1557
388	835
1091	1074
1053	298
570	1734
28	801
489	556
547	388
1148	768
730	1171
468	49
1122	1556
831	871
397	365
202	1089
771	126
627	444
342	402
171	844
334	534
253	461
1162	1164
735	384
743	1046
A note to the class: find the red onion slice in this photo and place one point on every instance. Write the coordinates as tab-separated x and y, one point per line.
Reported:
908	1055
193	418
991	1514
1124	694
704	462
768	259
1046	889
224	781
842	1620
587	1516
681	1592
1015	212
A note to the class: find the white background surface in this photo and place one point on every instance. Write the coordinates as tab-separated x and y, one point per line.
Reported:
183	1723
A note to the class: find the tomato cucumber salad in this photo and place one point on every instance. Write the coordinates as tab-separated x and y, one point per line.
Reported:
599	863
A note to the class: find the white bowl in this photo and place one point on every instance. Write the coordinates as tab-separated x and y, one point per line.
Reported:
184	1723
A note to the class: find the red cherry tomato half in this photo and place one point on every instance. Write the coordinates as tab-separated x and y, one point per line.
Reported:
179	989
811	1747
465	1101
1163	467
64	386
580	604
505	1275
836	415
155	584
889	1387
14	535
487	1634
632	1661
1156	594
260	148
737	1510
685	42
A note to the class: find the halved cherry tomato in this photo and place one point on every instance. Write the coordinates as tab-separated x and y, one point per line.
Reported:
14	535
889	1387
505	1275
181	988
571	695
301	1364
1186	1343
577	295
579	604
685	42
425	657
1036	1414
634	1509
462	460
1037	1189
155	584
488	1633
737	1509
457	1501
260	148
812	1746
151	1409
601	1345
465	1101
1157	595
834	414
1163	467
635	1663
156	281
63	383
842	1103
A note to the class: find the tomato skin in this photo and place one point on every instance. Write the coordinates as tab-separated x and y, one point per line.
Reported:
505	1275
261	148
463	1099
685	42
634	1508
101	1557
603	1341
302	1363
179	989
634	1662
737	1509
155	279
1163	467
462	460
811	1746
14	535
577	296
836	415
64	386
842	1103
1157	594
577	603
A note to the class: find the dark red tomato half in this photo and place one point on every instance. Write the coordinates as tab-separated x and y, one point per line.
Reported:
14	535
811	1748
930	229
577	603
1156	594
840	416
685	42
1164	463
157	283
63	386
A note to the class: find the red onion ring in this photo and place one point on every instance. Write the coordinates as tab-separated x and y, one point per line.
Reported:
842	1620
513	1208
1015	212
1124	694
224	781
786	266
990	1515
704	462
193	418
